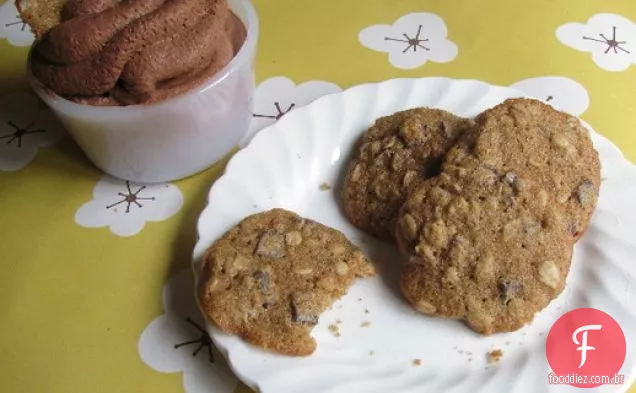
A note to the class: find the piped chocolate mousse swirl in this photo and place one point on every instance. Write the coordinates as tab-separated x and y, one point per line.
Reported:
113	52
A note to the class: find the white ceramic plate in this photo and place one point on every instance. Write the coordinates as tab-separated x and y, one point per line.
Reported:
283	167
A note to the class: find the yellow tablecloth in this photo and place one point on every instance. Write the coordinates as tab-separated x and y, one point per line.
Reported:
80	297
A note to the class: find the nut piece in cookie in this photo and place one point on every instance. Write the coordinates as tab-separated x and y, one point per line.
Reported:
489	252
392	158
270	277
526	135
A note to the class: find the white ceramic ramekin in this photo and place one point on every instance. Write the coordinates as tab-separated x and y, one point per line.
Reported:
175	138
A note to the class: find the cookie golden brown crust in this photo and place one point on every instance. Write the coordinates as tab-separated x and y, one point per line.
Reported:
269	278
483	246
40	15
529	136
393	157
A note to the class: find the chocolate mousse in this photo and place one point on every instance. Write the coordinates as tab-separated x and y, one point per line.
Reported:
113	52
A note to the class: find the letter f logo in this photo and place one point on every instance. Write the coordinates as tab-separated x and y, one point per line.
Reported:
584	347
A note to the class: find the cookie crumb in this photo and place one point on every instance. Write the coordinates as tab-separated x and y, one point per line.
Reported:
417	362
495	356
324	187
334	329
365	324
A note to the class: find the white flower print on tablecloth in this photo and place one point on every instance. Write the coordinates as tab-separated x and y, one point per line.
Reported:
277	96
125	207
176	341
611	39
12	28
562	93
24	128
411	41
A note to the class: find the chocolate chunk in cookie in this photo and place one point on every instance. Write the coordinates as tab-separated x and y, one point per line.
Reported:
530	136
269	278
393	157
484	246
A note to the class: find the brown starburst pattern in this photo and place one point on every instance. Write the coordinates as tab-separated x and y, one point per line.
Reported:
130	198
20	132
279	112
204	341
612	44
16	23
413	42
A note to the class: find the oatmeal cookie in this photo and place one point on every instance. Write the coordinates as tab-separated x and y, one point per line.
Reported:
40	15
270	277
392	158
483	246
529	136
